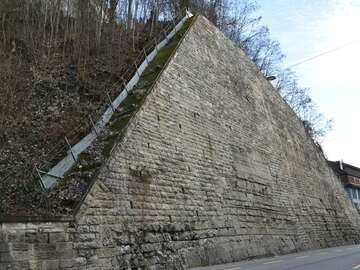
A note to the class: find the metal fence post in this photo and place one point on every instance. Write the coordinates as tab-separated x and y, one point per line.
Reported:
125	87
41	180
156	48
137	70
71	151
146	59
166	37
124	84
93	125
110	102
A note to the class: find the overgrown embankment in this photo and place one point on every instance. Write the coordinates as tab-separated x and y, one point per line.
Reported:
24	195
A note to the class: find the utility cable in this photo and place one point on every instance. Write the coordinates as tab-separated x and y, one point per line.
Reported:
323	53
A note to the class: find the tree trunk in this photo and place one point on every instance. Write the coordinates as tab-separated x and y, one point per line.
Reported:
184	4
134	26
154	15
130	22
112	11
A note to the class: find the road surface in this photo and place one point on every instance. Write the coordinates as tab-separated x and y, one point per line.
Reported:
339	258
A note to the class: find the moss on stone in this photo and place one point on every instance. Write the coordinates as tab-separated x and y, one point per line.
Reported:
157	64
117	127
119	124
133	101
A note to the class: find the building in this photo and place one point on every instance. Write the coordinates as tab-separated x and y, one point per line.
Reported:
350	177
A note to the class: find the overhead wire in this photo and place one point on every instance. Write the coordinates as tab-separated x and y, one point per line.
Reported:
323	53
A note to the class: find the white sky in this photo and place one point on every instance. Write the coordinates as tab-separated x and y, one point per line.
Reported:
306	28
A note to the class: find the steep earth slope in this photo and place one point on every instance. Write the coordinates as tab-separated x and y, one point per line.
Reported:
56	113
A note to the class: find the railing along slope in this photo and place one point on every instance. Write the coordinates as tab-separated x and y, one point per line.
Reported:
60	169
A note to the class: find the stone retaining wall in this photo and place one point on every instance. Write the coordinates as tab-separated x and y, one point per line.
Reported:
44	245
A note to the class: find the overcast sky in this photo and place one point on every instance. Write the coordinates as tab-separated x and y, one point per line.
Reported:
306	28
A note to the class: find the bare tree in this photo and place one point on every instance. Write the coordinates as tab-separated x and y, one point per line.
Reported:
298	98
130	14
112	10
238	21
84	30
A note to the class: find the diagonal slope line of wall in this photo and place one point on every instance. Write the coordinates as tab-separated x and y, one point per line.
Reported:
213	168
60	169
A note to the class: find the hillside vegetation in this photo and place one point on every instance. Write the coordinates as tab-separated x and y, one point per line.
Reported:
62	60
58	63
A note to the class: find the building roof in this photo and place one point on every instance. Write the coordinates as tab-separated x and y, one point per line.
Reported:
342	168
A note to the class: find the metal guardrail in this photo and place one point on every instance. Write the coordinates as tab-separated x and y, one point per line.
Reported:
49	175
49	178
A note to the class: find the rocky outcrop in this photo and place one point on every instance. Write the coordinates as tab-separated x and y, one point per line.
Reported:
213	168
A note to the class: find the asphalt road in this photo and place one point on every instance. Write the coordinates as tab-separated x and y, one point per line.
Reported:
339	258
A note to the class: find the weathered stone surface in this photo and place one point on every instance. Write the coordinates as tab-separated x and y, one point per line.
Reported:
214	168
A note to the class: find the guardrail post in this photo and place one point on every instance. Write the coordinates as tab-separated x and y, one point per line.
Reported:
146	59
137	70
71	151
156	48
166	37
125	85
110	102
93	125
41	180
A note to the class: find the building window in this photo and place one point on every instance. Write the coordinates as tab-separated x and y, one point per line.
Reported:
348	190
354	193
